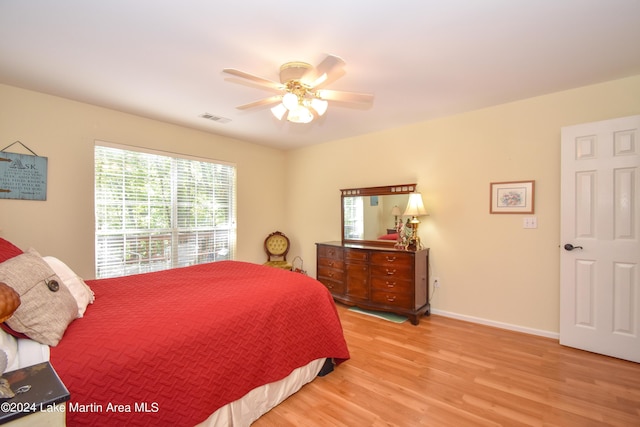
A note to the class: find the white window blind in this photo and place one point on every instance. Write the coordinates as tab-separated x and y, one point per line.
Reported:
157	211
353	217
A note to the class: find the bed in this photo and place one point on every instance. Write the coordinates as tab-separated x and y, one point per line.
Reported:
389	236
212	344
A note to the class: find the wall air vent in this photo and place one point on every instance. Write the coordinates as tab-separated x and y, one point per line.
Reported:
215	118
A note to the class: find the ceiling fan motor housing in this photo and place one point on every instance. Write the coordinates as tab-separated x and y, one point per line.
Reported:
293	71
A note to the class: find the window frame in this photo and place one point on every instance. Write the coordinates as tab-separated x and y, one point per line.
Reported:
177	244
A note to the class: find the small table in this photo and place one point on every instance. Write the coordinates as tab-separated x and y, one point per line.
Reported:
43	404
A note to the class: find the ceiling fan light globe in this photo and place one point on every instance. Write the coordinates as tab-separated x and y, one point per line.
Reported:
300	114
290	101
320	105
279	111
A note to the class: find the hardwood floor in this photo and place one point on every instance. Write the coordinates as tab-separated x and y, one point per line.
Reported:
446	372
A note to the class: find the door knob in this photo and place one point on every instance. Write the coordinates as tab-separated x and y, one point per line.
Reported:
570	247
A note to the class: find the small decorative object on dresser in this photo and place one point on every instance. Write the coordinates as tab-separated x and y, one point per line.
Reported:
376	278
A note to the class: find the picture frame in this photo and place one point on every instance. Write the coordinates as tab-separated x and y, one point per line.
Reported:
512	197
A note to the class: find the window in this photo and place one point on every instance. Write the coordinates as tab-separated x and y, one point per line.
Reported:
157	211
353	217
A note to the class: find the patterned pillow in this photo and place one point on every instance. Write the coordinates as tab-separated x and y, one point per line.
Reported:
47	306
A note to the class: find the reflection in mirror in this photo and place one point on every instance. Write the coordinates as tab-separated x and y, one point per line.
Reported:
370	215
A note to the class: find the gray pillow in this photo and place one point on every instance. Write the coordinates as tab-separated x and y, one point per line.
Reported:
47	307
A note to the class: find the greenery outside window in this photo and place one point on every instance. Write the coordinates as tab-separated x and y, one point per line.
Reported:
156	211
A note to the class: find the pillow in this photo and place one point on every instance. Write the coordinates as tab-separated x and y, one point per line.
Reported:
8	250
393	236
78	288
47	307
3	361
9	346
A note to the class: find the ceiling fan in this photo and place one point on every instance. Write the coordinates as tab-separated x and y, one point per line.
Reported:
301	96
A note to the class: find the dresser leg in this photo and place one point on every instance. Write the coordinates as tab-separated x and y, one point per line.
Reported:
414	319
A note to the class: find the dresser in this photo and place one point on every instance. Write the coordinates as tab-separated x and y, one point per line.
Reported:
376	278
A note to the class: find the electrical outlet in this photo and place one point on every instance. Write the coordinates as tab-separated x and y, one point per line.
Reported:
436	282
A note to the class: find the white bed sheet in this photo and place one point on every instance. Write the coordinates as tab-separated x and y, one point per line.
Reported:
22	352
261	400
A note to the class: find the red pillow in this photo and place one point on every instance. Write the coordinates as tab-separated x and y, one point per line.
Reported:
8	250
393	236
10	331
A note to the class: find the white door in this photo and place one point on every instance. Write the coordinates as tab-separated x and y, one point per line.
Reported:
600	218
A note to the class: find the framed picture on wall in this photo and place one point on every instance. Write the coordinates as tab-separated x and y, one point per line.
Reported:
513	197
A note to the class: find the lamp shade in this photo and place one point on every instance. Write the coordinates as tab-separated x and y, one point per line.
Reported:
415	207
279	111
396	211
320	105
300	114
290	100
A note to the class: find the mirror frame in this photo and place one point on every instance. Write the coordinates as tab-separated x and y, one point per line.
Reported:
371	191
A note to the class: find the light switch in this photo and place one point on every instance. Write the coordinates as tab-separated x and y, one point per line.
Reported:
530	222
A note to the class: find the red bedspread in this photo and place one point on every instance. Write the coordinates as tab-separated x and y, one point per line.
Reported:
173	346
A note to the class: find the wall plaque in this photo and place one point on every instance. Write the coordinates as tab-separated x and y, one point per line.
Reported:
23	176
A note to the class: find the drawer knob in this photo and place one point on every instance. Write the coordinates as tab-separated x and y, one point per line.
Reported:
391	258
391	298
391	272
391	284
330	263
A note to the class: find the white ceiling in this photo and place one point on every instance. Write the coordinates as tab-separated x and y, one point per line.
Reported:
422	59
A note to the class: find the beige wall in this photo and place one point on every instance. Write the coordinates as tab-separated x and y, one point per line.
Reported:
65	131
489	266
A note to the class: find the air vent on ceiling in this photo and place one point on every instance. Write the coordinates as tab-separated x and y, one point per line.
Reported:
215	118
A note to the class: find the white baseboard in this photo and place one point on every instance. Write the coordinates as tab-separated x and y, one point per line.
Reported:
493	323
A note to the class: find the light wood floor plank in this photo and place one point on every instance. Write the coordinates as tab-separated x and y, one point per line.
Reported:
446	372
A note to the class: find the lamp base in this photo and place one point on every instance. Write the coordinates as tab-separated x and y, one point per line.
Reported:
414	241
414	244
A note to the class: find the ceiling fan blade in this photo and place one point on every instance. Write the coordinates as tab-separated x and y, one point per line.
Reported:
255	79
329	70
337	95
261	102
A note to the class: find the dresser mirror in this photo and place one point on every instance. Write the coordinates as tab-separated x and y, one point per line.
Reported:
370	214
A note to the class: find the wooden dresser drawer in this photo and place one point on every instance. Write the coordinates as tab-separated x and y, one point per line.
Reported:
356	255
330	273
326	251
335	287
392	284
331	263
392	299
392	258
398	271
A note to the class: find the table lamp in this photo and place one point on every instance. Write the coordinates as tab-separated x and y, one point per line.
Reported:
396	212
415	208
